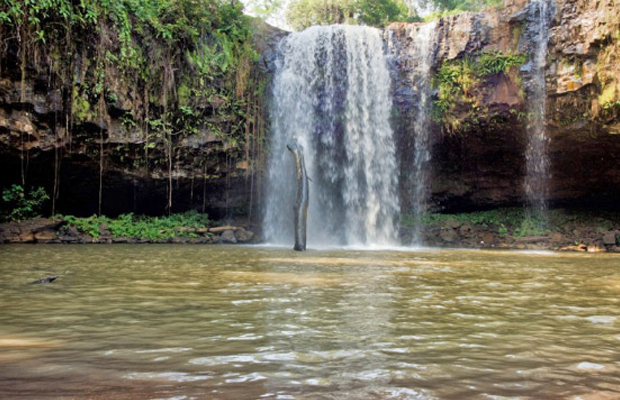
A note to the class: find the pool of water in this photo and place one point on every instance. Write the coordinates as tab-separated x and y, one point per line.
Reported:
219	322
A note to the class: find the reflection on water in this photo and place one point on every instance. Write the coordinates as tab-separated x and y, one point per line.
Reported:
215	322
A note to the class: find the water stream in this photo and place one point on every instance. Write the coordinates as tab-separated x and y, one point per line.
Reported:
241	323
420	174
537	152
332	94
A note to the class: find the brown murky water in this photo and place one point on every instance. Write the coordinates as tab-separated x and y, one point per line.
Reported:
215	322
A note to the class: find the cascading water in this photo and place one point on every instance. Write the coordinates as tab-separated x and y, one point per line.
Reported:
423	38
332	94
537	158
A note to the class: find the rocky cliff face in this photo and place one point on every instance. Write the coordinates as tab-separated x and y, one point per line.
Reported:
56	132
480	135
478	141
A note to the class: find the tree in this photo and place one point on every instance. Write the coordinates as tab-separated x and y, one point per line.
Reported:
380	12
464	5
302	14
265	8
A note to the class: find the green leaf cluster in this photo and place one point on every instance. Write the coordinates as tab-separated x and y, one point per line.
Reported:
302	14
518	223
141	227
506	221
449	7
460	85
153	47
18	205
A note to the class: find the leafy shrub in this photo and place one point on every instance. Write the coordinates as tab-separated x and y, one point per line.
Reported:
18	205
507	221
89	225
460	85
142	227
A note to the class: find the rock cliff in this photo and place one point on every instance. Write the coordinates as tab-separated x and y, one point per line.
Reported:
479	136
95	133
478	131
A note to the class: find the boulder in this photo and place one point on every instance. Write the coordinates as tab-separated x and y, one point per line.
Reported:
557	238
610	238
228	236
243	236
465	230
448	235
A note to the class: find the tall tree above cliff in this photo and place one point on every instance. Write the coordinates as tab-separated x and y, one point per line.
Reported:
304	13
449	5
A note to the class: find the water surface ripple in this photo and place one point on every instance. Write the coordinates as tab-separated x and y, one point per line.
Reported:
217	322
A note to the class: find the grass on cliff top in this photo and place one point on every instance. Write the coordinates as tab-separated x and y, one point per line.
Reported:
516	221
141	227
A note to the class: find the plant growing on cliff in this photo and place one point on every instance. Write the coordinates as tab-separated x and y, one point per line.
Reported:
460	86
147	59
18	205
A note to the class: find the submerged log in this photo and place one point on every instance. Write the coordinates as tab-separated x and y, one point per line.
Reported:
301	204
43	281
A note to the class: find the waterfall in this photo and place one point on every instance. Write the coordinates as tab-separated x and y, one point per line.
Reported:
536	154
423	39
331	93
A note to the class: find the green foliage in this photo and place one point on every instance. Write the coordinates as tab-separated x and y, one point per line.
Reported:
302	14
18	205
141	227
517	223
205	46
460	5
460	83
379	12
265	8
496	62
89	225
531	227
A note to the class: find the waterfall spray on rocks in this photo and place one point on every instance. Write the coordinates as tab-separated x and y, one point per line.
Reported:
536	154
424	38
331	93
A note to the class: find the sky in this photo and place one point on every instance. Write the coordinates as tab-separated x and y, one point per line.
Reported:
277	20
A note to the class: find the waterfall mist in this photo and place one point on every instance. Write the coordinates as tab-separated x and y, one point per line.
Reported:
536	154
332	94
420	176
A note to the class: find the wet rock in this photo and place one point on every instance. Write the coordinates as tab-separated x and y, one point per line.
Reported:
228	236
45	236
452	223
30	231
595	249
45	280
557	238
610	238
488	239
465	230
577	248
243	236
448	235
533	239
221	229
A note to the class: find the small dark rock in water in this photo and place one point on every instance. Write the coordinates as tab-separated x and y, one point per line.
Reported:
49	279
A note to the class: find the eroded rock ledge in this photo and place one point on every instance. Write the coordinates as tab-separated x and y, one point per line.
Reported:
478	161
